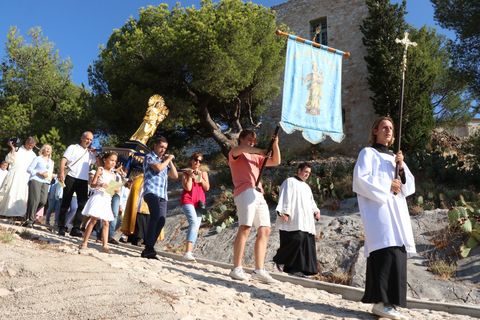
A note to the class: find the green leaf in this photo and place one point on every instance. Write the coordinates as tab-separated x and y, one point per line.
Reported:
453	215
467	226
471	242
464	251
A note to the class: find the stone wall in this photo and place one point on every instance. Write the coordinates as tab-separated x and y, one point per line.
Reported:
344	18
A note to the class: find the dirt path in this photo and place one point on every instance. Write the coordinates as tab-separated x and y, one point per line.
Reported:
46	278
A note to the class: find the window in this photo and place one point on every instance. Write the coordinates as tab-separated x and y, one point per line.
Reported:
318	30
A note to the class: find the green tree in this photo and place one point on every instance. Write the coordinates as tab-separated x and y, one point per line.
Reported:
36	93
432	88
53	138
217	67
463	17
385	22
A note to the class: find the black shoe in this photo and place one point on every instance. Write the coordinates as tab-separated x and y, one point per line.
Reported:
28	224
149	253
76	232
297	274
279	267
113	241
61	231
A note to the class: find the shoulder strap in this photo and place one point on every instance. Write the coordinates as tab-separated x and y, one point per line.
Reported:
71	165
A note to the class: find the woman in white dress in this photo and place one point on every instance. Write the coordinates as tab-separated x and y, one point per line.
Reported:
99	205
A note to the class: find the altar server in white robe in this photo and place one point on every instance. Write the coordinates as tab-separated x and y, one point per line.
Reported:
384	213
297	213
14	189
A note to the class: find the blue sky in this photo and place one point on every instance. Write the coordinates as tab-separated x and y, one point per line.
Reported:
78	27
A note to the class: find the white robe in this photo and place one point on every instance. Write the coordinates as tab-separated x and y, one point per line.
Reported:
14	189
384	215
296	200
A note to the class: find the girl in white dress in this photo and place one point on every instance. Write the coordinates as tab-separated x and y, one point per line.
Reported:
99	205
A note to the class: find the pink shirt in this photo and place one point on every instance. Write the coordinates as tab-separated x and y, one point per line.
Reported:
194	195
245	170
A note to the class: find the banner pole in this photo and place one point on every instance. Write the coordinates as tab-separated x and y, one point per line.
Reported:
346	54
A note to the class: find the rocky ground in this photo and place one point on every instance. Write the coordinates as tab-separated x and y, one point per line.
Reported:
340	252
42	276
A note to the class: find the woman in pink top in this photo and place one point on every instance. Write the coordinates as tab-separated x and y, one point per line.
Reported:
195	183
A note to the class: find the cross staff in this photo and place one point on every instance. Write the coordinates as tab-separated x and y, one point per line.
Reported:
405	42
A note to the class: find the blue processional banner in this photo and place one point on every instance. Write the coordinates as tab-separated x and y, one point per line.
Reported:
312	92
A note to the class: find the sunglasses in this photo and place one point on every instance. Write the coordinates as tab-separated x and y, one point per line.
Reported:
197	160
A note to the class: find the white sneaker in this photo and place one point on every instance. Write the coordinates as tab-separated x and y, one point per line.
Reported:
387	312
238	274
263	276
189	256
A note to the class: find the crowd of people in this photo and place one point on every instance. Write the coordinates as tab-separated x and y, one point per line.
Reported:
381	180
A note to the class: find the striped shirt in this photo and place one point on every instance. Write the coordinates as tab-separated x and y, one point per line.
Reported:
155	182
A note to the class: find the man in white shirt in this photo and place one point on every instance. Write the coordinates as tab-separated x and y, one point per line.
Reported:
77	160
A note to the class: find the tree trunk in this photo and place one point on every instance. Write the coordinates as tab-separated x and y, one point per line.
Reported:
213	129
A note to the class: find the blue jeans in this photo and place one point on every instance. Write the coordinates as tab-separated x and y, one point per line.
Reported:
158	214
115	208
53	206
194	221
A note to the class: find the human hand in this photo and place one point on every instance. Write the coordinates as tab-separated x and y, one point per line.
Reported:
396	186
61	177
317	215
169	157
43	174
284	217
399	159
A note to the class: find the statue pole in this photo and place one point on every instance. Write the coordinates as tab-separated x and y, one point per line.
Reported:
404	42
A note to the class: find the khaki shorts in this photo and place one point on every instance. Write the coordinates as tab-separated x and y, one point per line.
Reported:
252	209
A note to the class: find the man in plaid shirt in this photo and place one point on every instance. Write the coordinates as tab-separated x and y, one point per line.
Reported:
157	167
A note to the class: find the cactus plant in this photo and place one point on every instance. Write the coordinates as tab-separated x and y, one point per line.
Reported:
420	200
468	220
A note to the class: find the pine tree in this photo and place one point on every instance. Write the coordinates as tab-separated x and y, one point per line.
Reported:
383	25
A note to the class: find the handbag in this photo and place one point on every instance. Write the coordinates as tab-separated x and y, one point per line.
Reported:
201	207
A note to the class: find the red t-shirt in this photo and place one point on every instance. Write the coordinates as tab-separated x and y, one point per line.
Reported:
194	195
245	170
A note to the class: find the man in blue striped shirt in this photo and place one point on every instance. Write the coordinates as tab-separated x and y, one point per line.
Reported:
157	168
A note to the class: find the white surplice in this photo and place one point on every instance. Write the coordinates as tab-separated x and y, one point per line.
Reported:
384	215
14	189
296	200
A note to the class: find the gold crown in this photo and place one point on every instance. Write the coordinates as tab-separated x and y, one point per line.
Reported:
155	99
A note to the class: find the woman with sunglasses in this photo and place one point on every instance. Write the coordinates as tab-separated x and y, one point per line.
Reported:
195	183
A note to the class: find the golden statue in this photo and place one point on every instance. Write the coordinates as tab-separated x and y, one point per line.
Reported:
157	111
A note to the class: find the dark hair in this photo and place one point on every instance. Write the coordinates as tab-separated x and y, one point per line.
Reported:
304	165
195	155
30	140
245	133
159	139
107	155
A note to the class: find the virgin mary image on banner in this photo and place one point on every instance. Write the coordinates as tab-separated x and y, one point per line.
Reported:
312	92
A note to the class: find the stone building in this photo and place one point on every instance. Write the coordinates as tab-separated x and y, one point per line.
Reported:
340	22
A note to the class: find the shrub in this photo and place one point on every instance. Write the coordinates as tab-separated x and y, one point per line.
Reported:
442	268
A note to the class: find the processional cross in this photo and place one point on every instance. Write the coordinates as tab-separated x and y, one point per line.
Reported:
404	42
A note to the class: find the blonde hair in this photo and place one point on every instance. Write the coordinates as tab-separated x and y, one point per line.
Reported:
373	137
43	148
